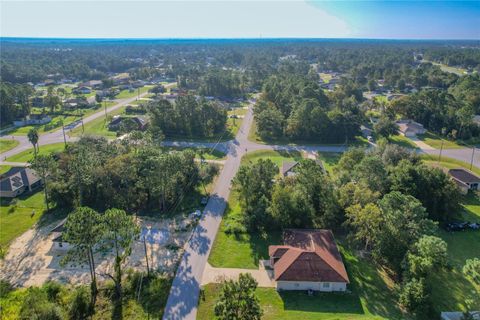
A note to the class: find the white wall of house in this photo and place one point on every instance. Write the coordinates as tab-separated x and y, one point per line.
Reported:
310	285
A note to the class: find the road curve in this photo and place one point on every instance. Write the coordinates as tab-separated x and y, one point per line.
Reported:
57	135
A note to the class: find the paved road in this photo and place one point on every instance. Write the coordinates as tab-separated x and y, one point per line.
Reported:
57	136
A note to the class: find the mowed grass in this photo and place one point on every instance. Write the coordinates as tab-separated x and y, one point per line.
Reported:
124	94
16	219
450	287
329	160
207	154
435	141
6	144
402	141
447	162
98	126
4	169
28	155
276	157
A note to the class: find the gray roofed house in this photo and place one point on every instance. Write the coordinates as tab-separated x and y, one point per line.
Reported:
410	128
464	177
17	181
287	168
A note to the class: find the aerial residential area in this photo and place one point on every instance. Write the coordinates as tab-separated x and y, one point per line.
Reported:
193	175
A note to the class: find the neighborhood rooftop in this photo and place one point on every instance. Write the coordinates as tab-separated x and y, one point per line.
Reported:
308	255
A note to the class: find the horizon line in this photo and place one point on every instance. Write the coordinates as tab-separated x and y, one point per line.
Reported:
231	38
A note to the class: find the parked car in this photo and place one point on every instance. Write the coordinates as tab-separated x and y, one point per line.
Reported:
456	226
474	226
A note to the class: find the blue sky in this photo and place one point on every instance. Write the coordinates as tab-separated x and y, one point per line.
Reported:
241	19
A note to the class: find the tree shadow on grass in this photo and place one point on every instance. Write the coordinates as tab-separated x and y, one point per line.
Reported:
371	284
259	243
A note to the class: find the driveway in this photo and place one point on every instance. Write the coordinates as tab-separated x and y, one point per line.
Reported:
263	276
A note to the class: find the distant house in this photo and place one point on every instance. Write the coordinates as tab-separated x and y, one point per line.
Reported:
288	168
410	128
114	125
57	232
33	119
82	90
79	102
465	179
308	260
459	315
17	181
365	131
95	84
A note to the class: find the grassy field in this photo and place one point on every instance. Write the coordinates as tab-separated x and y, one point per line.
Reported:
445	68
99	126
16	219
4	169
208	154
55	124
450	288
6	144
127	94
27	155
435	141
402	141
448	163
276	156
329	160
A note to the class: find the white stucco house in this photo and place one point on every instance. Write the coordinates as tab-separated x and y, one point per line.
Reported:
410	128
308	260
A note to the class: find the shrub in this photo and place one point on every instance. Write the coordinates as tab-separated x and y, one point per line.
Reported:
80	305
52	289
5	288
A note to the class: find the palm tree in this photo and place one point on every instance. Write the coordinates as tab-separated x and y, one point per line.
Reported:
33	138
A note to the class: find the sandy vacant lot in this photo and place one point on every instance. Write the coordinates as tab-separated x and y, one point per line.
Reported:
33	259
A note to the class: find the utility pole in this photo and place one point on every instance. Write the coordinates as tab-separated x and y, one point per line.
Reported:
440	154
471	161
64	137
105	107
83	128
146	255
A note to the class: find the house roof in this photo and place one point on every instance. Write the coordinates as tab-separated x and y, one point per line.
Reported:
406	125
308	255
287	166
17	177
463	175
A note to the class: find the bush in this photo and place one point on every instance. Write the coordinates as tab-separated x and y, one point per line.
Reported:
5	288
80	305
52	289
37	307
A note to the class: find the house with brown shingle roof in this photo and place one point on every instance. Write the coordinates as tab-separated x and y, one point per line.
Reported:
308	260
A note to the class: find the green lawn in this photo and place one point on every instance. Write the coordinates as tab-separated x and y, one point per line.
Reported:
276	156
435	141
6	144
329	160
99	126
402	141
4	169
450	288
208	154
326	77
55	124
18	219
448	163
27	155
127	94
